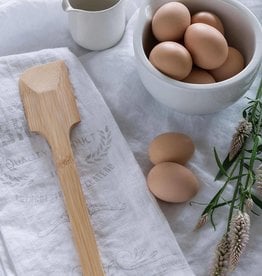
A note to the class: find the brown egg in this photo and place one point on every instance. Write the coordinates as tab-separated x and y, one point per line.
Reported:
171	147
172	182
207	46
172	59
209	19
232	66
199	76
170	21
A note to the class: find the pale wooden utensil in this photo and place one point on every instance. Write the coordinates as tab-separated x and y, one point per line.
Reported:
51	110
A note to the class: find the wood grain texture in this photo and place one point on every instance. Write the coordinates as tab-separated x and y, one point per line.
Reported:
51	110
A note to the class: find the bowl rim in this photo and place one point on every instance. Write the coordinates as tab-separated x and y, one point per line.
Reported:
253	63
67	6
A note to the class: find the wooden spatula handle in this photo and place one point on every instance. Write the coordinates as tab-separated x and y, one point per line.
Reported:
51	110
76	206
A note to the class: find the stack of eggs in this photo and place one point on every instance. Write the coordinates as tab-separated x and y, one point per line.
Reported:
169	179
193	48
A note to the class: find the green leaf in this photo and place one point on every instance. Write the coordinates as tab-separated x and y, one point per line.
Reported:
220	165
257	201
259	149
197	203
237	177
246	166
226	165
208	208
244	114
222	204
259	140
212	220
255	213
254	152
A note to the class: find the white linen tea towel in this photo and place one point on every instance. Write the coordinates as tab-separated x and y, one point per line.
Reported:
133	236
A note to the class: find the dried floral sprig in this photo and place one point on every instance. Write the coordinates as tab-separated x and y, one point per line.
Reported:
202	221
249	204
238	169
259	179
243	130
238	237
220	264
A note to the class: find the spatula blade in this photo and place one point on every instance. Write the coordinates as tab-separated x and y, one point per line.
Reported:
48	98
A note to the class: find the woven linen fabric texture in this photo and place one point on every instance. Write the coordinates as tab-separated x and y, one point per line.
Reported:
141	118
133	236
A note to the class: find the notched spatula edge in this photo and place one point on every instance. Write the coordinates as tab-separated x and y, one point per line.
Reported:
46	91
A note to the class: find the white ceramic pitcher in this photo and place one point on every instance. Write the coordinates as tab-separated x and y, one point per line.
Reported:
95	24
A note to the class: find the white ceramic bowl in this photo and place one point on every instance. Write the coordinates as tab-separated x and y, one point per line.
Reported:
242	31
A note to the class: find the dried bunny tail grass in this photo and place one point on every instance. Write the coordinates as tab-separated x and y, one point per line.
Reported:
202	221
220	264
249	204
243	130
259	169
238	237
259	187
259	179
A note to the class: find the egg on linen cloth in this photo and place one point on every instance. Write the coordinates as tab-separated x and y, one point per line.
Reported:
171	147
172	182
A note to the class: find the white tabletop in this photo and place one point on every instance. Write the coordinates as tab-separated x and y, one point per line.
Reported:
140	118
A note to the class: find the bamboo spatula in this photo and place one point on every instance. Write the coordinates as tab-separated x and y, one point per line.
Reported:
51	110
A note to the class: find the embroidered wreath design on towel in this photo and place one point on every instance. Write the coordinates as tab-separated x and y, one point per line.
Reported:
102	148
